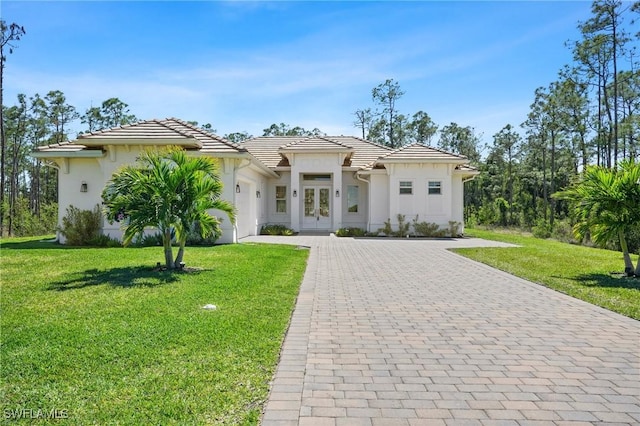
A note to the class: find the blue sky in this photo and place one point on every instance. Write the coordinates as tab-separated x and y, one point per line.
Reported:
244	65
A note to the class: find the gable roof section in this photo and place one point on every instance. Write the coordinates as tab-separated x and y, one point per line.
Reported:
269	149
417	152
170	131
316	144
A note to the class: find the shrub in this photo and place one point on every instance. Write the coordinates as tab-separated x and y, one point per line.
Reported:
80	227
386	229
195	236
275	229
403	227
426	229
350	232
563	231
454	229
542	229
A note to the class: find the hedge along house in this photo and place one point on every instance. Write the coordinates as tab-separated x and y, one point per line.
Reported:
305	183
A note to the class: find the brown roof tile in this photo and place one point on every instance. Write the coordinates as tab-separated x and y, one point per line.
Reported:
266	148
418	151
168	131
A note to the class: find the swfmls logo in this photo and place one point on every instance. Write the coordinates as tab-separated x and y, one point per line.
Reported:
30	413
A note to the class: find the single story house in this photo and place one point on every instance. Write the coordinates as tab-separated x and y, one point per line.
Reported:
317	183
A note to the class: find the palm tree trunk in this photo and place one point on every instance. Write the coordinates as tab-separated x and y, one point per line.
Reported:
638	268
168	254
628	264
183	243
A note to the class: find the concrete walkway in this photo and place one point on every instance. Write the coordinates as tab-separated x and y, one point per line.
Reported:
403	332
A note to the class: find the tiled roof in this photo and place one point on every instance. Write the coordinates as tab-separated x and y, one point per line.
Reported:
420	152
63	147
266	148
416	152
168	131
314	143
365	151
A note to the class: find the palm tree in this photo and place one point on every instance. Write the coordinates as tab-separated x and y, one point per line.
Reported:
606	204
170	191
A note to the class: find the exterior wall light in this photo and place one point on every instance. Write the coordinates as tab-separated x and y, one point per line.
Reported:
337	192
295	193
84	187
237	188
257	194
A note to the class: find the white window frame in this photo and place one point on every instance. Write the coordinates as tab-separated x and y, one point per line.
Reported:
438	187
405	187
357	195
281	199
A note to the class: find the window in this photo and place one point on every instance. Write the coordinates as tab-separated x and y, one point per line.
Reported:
406	187
281	199
353	194
435	187
317	178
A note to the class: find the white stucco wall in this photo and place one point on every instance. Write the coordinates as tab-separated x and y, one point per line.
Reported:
97	171
273	217
311	163
351	219
379	200
251	209
386	202
428	208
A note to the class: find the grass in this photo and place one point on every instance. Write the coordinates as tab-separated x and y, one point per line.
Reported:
586	273
100	334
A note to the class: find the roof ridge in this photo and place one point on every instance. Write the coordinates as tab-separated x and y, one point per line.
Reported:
163	123
328	138
368	141
102	131
206	133
446	152
324	138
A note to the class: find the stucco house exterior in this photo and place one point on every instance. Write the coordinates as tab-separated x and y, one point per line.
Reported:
319	183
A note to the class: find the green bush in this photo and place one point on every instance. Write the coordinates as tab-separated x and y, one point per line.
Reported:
275	229
563	231
80	227
454	229
403	227
386	229
350	232
426	229
542	229
195	236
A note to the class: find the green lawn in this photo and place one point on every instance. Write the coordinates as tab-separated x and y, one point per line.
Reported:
98	333
586	273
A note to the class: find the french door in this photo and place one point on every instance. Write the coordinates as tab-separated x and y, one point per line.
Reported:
317	207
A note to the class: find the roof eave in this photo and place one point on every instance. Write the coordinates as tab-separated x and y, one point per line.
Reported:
86	153
315	151
102	141
422	160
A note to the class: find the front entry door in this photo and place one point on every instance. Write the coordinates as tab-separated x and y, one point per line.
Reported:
317	207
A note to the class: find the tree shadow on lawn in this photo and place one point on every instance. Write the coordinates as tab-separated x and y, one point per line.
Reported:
41	245
612	280
119	277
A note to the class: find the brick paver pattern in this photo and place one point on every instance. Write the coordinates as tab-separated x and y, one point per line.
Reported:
395	332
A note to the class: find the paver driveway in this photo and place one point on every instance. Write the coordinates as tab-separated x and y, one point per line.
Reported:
401	332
